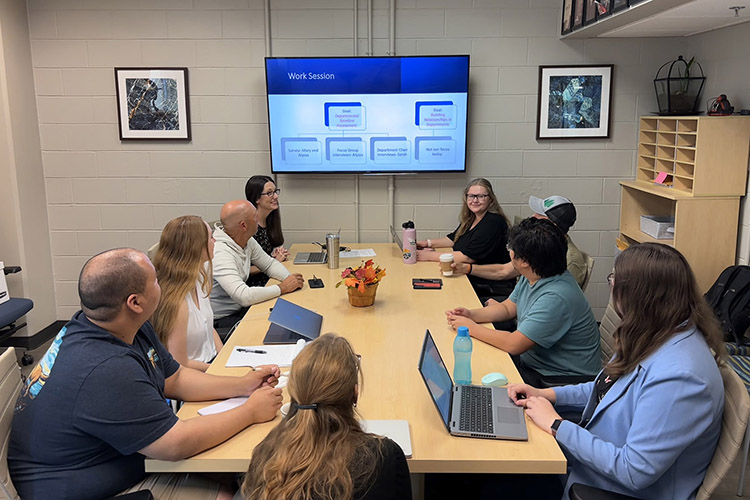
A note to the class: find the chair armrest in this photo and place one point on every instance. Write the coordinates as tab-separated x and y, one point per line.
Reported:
734	349
136	495
583	492
11	269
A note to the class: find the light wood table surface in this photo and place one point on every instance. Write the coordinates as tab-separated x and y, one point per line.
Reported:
389	337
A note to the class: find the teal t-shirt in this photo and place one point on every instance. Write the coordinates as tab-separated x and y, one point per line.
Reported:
555	315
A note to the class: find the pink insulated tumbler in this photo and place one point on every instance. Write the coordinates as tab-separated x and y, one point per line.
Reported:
409	239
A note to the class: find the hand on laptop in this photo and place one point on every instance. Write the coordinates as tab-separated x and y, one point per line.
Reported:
291	283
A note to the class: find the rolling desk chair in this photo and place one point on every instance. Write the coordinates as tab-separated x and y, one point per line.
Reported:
12	310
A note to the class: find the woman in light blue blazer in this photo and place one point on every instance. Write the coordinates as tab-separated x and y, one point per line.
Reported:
652	418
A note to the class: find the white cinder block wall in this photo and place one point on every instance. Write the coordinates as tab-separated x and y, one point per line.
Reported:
103	193
726	63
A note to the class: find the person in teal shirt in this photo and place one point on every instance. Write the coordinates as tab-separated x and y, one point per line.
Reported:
557	339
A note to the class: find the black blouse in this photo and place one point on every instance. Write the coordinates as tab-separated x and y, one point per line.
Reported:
486	243
391	480
261	236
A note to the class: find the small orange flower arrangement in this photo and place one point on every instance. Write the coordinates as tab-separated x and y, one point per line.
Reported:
362	276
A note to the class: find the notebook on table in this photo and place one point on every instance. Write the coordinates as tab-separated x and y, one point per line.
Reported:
290	323
310	258
469	410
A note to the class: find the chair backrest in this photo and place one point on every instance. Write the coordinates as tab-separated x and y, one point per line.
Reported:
589	268
10	387
610	322
733	425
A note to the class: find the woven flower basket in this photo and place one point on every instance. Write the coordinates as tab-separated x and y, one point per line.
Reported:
359	299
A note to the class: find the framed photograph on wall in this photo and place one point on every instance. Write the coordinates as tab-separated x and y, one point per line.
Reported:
618	5
567	15
152	103
578	14
589	16
574	102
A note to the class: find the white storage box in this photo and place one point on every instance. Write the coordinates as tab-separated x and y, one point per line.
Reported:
658	226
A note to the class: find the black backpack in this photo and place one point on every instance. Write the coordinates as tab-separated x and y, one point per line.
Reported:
729	297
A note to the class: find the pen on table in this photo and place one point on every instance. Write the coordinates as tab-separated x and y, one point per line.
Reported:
254	351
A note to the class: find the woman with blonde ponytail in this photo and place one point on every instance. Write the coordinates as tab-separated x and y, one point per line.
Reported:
184	319
319	451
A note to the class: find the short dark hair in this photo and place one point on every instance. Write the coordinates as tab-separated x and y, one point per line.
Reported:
106	281
541	244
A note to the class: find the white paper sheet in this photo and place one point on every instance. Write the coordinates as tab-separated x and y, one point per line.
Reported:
351	254
397	430
281	355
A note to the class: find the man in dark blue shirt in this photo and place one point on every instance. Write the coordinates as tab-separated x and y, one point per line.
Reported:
95	407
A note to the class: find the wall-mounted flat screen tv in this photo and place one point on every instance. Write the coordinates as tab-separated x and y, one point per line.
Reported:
367	114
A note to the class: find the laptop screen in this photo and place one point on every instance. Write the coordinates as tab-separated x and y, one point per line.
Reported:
436	377
396	238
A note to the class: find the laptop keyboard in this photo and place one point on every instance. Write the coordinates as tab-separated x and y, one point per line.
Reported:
316	258
476	409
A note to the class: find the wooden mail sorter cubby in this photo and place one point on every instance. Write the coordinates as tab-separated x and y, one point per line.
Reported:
702	163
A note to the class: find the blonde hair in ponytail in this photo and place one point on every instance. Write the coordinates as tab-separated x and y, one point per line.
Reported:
311	453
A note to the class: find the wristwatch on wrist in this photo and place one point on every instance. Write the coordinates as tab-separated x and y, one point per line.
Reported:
555	425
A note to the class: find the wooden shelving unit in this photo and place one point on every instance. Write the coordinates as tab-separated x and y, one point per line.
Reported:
703	162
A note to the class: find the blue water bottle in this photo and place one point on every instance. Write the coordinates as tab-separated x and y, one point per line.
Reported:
462	357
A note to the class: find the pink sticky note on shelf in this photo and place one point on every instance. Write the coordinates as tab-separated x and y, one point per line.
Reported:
661	177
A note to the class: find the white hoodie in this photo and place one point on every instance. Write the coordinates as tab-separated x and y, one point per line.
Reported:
231	265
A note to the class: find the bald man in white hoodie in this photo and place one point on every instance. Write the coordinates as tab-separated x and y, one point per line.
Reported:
235	253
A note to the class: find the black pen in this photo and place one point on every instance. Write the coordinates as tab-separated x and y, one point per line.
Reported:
253	351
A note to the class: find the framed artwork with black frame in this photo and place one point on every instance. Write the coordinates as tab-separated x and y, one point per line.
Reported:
574	102
578	14
603	8
152	103
567	17
589	16
618	5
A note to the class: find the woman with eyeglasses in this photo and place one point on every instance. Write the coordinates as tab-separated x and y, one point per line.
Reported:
652	417
480	238
261	191
319	451
184	319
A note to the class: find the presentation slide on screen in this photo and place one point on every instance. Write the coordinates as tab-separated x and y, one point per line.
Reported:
365	115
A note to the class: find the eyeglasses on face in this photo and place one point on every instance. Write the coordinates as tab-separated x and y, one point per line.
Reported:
480	197
271	193
611	279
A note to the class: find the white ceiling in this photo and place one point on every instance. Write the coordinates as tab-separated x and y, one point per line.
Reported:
694	17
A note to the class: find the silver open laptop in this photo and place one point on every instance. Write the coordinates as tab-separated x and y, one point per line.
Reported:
311	258
469	410
396	238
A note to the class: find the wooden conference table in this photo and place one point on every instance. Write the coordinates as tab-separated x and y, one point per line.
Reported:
389	337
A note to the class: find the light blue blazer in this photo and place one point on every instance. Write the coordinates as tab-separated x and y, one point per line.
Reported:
655	431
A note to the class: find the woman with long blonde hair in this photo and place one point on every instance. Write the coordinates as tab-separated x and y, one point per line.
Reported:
480	238
319	451
184	319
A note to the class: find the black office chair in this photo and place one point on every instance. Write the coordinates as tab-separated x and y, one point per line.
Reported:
12	310
583	492
10	313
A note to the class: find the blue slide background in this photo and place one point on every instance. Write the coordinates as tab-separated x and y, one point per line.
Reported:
388	89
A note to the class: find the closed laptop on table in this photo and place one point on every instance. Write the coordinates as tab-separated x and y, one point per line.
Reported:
291	322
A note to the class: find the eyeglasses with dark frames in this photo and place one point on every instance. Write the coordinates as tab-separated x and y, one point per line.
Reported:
611	279
474	197
271	193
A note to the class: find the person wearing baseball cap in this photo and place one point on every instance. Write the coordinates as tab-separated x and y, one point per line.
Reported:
559	210
562	212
